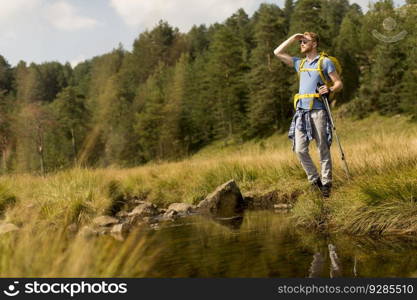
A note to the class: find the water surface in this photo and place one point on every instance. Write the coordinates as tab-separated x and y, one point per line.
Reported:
266	245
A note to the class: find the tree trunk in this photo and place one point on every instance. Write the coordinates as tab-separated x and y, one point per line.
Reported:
4	163
74	147
40	151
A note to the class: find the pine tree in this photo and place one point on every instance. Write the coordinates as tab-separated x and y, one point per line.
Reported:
102	100
333	11
308	16
199	104
386	66
72	118
288	11
408	103
6	76
54	77
348	53
198	40
387	72
241	26
269	105
150	102
29	87
7	106
226	71
173	133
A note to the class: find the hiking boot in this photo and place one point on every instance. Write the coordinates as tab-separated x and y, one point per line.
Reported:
317	183
326	189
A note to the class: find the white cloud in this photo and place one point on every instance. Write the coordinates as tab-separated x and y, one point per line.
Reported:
11	9
14	13
64	16
179	13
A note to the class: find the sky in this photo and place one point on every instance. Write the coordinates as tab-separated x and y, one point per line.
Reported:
75	30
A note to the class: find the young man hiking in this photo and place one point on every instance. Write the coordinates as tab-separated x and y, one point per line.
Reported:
311	120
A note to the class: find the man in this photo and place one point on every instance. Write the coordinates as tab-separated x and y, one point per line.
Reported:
311	120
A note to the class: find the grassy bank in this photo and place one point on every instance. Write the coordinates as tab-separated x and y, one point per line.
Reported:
380	200
381	152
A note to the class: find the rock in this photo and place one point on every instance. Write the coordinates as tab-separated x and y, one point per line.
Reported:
134	220
177	210
268	200
88	232
181	208
155	226
225	201
144	210
118	236
104	230
170	215
151	220
122	214
249	200
120	228
8	227
140	202
162	211
72	228
264	200
104	221
282	206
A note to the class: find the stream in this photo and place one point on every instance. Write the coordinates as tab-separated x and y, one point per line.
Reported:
265	244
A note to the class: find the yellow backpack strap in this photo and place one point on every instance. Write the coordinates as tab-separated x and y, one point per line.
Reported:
301	66
295	101
320	69
297	98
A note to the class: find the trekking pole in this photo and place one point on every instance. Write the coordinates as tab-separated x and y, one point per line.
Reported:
342	154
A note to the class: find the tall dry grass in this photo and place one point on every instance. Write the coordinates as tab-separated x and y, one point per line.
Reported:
380	199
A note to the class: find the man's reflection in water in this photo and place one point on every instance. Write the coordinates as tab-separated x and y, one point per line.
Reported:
317	265
355	274
335	267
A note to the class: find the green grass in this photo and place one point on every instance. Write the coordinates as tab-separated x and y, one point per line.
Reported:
380	200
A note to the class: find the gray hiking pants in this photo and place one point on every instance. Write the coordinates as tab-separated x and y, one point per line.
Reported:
318	124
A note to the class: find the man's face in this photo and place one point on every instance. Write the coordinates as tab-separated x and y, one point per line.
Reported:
306	44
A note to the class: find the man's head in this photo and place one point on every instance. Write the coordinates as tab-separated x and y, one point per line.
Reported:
309	43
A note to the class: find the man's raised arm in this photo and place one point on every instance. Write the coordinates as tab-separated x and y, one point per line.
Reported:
279	51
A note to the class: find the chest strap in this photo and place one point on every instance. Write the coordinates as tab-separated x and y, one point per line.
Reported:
297	98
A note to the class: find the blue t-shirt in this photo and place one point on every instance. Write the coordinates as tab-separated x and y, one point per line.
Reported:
309	80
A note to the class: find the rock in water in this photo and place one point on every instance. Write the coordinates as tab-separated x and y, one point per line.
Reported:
181	208
143	213
88	232
177	210
144	210
120	228
103	221
225	201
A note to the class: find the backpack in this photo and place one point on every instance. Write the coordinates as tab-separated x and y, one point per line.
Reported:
328	83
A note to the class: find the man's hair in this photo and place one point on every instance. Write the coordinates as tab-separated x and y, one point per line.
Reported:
314	37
